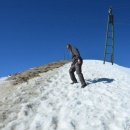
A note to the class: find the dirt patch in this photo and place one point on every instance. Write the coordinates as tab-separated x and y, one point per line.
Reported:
22	77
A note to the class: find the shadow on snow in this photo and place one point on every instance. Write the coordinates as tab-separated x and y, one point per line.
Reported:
104	80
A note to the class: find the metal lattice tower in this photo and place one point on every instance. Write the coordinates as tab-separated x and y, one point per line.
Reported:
109	44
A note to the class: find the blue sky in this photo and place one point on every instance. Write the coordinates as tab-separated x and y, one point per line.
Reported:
35	32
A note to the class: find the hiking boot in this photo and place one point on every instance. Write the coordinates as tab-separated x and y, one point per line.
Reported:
74	82
84	85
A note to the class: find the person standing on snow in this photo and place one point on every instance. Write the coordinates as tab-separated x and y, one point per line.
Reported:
76	65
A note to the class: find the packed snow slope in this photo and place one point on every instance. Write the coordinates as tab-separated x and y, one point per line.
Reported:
50	102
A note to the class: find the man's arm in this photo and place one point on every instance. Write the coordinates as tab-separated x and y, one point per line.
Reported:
77	54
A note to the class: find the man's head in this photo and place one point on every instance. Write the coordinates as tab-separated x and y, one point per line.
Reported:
68	46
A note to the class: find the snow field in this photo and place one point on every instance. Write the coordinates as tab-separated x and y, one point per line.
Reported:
50	102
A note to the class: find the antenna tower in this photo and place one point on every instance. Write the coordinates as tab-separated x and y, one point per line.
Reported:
109	44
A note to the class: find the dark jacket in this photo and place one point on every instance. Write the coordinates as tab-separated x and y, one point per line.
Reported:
75	55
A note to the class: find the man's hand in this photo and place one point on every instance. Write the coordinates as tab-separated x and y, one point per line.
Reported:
79	61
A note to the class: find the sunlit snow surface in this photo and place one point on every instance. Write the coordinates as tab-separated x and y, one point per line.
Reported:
50	102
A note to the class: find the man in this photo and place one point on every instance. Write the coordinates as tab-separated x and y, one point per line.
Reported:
76	65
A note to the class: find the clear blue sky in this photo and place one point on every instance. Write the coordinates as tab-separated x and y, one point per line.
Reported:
35	32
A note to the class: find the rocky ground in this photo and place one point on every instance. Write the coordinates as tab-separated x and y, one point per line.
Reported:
22	77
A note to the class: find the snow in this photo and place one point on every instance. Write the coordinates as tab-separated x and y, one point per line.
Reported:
50	102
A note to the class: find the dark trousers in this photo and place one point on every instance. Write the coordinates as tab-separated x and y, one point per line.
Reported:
78	68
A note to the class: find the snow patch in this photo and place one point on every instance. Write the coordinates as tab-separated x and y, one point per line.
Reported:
50	102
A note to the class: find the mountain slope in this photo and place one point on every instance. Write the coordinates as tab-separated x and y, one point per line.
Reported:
49	102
